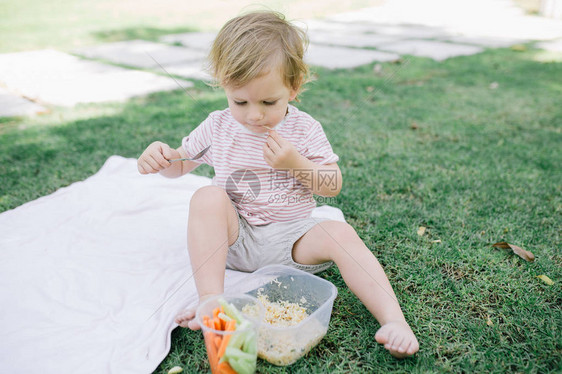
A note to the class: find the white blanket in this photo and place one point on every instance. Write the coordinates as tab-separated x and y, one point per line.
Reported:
92	275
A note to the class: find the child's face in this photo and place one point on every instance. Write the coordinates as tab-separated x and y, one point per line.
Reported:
262	102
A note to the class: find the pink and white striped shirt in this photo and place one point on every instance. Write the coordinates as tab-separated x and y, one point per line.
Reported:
260	193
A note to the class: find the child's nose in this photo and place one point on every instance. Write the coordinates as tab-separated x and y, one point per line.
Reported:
255	114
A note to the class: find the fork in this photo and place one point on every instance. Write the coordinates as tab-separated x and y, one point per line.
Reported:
196	157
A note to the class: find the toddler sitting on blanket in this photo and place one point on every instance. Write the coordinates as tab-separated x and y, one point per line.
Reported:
270	159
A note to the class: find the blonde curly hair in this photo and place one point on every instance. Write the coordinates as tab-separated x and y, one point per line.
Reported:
250	45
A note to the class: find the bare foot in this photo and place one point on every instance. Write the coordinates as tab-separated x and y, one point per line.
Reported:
186	317
398	338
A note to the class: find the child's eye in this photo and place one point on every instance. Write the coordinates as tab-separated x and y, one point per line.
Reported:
239	102
270	102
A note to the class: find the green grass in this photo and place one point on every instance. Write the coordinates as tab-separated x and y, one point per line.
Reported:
482	166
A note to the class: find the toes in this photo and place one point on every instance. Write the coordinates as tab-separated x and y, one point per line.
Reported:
399	344
182	323
382	336
398	339
184	317
193	325
414	347
407	346
390	340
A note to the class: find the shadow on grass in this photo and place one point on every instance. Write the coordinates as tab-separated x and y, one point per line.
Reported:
71	146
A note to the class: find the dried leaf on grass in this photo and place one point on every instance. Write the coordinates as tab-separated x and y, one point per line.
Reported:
175	370
421	230
519	47
525	255
545	279
489	322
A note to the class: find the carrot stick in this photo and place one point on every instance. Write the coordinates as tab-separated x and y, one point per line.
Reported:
224	368
212	352
217	340
230	326
217	323
216	312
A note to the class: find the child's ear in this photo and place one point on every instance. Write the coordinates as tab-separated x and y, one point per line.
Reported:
293	94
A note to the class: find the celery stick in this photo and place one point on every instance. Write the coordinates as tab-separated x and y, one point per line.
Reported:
236	340
231	311
238	354
235	364
224	317
250	343
242	366
248	367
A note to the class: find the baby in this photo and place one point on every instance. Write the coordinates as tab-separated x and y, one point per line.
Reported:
269	160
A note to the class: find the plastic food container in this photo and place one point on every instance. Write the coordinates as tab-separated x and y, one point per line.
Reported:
235	350
283	345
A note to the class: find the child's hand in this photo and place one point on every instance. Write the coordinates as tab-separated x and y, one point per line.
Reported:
279	153
155	158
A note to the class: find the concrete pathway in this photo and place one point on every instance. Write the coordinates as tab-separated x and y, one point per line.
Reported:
12	105
436	29
52	77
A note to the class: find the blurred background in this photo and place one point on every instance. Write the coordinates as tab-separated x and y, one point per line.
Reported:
65	24
33	24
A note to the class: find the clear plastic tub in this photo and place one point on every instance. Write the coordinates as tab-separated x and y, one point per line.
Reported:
283	345
215	337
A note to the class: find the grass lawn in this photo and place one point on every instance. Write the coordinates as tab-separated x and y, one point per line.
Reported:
468	148
421	143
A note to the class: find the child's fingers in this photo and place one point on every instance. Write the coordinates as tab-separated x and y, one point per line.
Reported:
278	139
267	155
267	152
273	145
144	168
161	160
151	166
167	152
140	168
154	165
156	162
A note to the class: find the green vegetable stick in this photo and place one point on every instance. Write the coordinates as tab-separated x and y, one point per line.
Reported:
235	364
242	366
238	354
224	317
247	366
232	312
250	343
237	340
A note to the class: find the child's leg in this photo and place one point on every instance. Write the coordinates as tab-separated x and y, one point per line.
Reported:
212	228
338	242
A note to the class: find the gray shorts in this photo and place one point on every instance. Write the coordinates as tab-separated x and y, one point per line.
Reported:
262	245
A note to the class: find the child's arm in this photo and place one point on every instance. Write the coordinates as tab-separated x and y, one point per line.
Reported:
323	180
155	158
